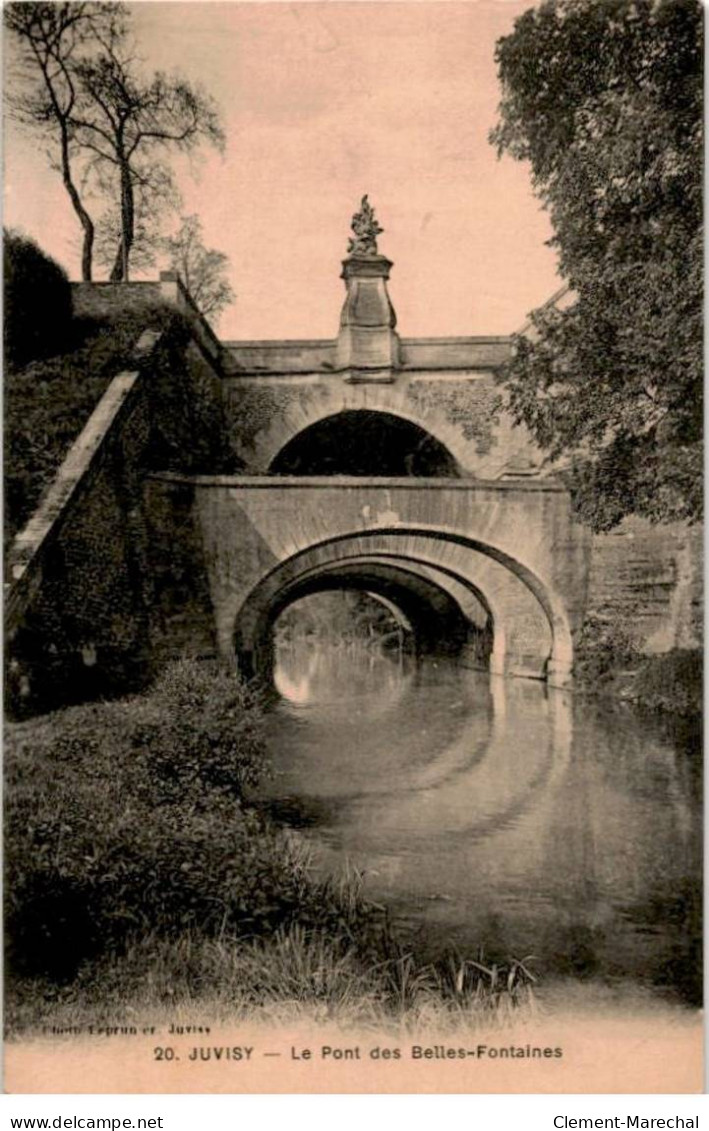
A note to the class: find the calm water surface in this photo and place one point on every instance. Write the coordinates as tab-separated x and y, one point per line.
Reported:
495	812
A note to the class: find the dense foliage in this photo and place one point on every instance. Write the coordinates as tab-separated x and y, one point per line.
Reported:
128	817
37	302
604	100
48	402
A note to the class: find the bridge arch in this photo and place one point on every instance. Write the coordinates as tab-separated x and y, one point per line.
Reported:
433	613
385	401
365	442
531	631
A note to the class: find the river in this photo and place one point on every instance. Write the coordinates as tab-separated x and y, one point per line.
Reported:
496	813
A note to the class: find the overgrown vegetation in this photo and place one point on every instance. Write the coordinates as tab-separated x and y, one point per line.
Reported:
138	874
48	402
37	310
603	650
294	974
671	683
604	100
608	661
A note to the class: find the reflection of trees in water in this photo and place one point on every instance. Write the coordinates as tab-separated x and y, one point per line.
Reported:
341	617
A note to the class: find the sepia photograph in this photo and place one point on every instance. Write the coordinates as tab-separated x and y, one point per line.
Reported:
353	496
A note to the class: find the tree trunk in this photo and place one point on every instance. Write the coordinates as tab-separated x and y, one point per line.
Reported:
119	272
117	269
87	249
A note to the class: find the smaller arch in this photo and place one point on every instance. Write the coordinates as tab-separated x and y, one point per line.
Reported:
393	609
365	442
434	616
437	622
398	541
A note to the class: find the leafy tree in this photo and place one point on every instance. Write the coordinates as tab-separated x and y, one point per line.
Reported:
604	99
202	269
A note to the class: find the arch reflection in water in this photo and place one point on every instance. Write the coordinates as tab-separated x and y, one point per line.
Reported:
496	812
324	639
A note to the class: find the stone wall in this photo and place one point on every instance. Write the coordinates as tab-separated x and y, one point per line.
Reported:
83	630
646	582
95	300
181	616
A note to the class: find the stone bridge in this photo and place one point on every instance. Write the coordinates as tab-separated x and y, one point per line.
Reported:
368	462
456	556
389	464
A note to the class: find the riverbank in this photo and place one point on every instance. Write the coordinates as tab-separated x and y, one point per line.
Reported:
608	664
149	881
142	881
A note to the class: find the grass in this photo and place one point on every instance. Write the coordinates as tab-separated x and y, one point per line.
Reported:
296	975
141	882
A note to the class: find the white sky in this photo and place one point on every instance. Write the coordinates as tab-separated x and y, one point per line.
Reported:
323	102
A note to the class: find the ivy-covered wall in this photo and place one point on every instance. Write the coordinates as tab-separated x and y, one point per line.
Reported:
94	621
472	406
85	630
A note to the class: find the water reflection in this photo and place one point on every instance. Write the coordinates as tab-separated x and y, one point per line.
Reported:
494	812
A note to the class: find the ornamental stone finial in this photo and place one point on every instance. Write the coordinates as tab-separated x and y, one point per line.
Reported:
366	229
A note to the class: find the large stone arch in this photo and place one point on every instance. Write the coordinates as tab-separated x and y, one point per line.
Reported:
301	414
526	611
365	443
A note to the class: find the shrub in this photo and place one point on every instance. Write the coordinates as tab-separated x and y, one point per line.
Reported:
37	296
671	682
603	650
128	816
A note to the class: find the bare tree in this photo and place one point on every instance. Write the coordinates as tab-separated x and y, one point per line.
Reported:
51	40
130	122
80	83
202	269
156	197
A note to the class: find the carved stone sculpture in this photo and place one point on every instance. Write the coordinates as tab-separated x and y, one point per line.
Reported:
366	229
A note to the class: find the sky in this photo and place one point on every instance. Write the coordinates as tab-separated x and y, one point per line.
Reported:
323	102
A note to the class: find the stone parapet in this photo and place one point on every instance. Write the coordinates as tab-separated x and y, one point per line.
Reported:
318	356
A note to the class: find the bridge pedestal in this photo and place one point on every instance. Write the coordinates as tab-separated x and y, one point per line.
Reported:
367	345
